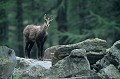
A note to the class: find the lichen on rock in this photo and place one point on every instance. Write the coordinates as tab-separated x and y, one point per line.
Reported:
7	62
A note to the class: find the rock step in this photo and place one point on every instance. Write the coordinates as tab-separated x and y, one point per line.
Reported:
85	77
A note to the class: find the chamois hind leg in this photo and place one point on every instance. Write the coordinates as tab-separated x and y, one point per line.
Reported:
28	48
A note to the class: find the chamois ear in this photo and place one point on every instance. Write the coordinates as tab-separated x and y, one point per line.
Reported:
48	19
51	18
45	18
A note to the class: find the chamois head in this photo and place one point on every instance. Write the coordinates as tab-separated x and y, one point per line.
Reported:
47	21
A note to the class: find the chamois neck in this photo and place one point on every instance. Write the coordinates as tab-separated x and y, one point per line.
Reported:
45	27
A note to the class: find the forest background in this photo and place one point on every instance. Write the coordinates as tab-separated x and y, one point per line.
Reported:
74	21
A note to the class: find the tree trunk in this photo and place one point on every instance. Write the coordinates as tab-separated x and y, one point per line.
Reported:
3	24
62	21
116	10
19	19
83	8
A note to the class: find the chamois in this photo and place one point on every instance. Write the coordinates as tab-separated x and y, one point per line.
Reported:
36	34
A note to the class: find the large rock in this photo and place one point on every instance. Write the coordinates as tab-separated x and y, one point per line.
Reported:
31	68
114	54
74	64
49	52
112	57
95	50
7	62
111	71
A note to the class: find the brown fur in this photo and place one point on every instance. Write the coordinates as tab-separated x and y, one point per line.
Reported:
31	32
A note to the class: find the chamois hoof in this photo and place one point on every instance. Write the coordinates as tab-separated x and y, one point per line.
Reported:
40	58
26	57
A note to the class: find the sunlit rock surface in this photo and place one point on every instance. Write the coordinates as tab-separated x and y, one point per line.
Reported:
31	68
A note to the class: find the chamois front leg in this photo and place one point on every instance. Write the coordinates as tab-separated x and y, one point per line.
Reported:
28	48
40	45
39	50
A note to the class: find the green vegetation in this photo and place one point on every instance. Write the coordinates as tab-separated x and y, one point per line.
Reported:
75	20
15	76
4	60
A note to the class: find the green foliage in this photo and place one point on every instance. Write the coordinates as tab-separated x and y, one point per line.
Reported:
73	38
15	76
103	26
